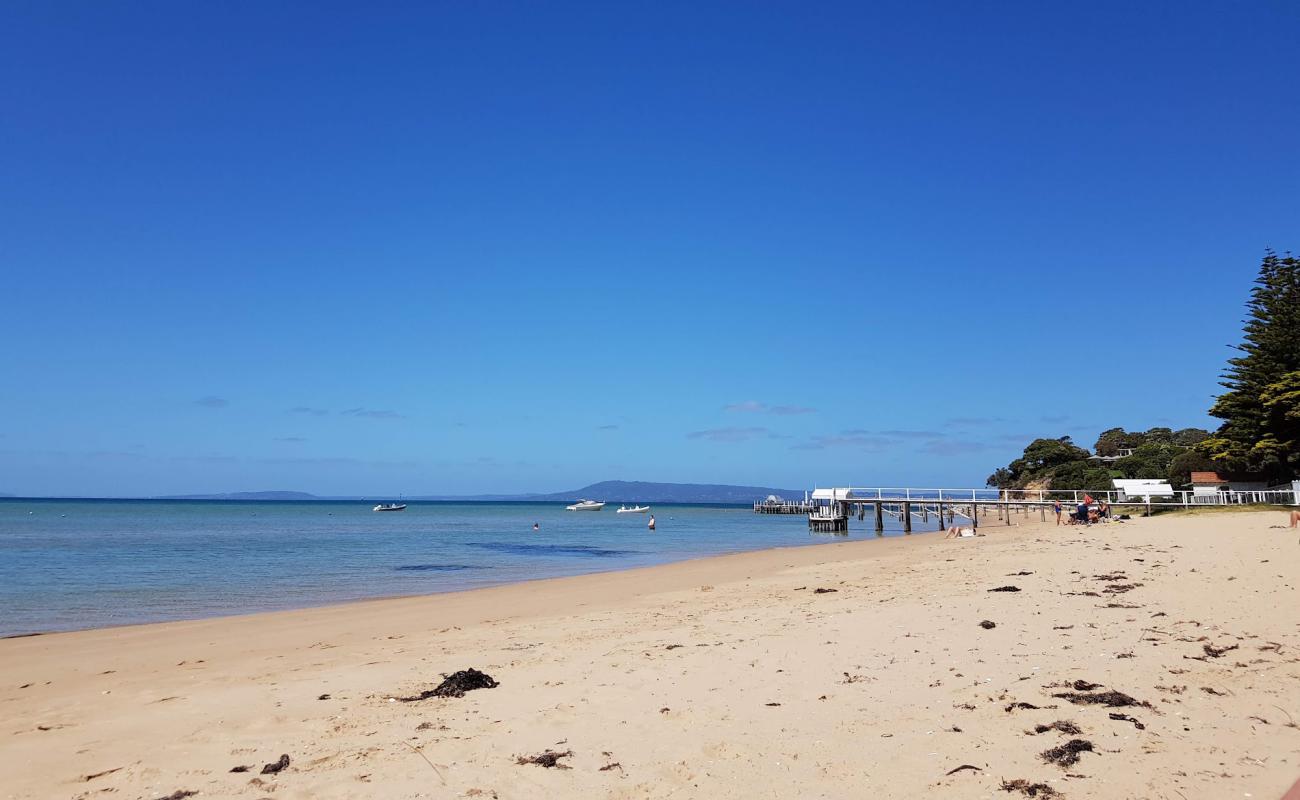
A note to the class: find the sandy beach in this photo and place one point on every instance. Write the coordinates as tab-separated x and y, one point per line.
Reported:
858	669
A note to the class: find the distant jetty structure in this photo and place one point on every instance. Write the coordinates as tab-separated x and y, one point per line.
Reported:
829	510
779	505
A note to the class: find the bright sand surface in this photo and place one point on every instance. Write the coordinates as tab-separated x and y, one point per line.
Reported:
723	677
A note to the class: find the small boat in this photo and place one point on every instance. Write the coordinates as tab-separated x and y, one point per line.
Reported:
585	505
390	507
632	510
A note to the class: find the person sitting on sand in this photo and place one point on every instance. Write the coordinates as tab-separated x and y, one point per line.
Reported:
1295	518
961	533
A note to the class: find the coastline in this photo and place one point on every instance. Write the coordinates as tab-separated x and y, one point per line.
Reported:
723	676
130	563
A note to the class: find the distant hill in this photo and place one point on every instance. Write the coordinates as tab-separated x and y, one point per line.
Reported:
243	496
609	491
642	492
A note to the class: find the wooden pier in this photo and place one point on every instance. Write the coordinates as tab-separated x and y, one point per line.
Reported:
829	510
783	507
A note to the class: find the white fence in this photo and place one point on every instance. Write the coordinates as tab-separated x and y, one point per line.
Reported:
1274	496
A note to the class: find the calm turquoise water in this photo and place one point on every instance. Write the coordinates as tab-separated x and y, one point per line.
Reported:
67	565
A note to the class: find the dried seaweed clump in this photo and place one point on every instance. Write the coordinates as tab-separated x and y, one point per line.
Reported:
549	759
1029	789
1062	725
1111	699
1067	755
1217	652
988	624
456	684
1006	589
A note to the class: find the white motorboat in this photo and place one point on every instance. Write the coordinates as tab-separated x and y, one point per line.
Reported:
632	510
585	505
390	507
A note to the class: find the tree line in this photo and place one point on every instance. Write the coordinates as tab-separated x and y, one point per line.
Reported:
1260	435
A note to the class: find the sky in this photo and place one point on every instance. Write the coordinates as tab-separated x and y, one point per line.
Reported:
456	248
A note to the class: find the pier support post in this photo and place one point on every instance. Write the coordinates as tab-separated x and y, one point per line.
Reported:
975	516
941	516
907	517
880	517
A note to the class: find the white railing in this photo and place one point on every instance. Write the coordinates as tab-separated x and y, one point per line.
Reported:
1276	496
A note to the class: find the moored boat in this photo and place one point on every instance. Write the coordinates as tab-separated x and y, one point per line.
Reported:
632	510
585	505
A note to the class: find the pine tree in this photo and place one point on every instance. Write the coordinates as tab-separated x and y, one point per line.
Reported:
1261	409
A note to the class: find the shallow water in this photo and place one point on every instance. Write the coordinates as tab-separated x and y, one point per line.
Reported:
71	564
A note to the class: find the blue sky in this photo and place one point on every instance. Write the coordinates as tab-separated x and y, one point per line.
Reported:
494	247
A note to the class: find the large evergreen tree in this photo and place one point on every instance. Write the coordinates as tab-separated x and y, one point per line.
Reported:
1261	409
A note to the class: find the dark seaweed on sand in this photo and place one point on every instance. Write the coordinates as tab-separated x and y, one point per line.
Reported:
1111	699
1067	755
988	624
1064	726
1006	589
549	759
1029	789
1217	652
276	766
455	685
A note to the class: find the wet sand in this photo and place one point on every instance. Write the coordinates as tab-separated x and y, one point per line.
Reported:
723	677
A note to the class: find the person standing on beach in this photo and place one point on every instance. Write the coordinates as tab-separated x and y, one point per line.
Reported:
1295	518
1056	509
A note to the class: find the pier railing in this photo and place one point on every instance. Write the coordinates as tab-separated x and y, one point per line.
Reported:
1275	496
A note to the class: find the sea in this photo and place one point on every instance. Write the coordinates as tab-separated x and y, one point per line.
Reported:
77	564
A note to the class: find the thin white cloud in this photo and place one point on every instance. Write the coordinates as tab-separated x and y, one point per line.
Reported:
315	412
953	447
755	407
855	440
372	413
973	422
729	434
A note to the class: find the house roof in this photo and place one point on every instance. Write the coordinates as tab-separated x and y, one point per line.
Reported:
1206	477
1143	487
